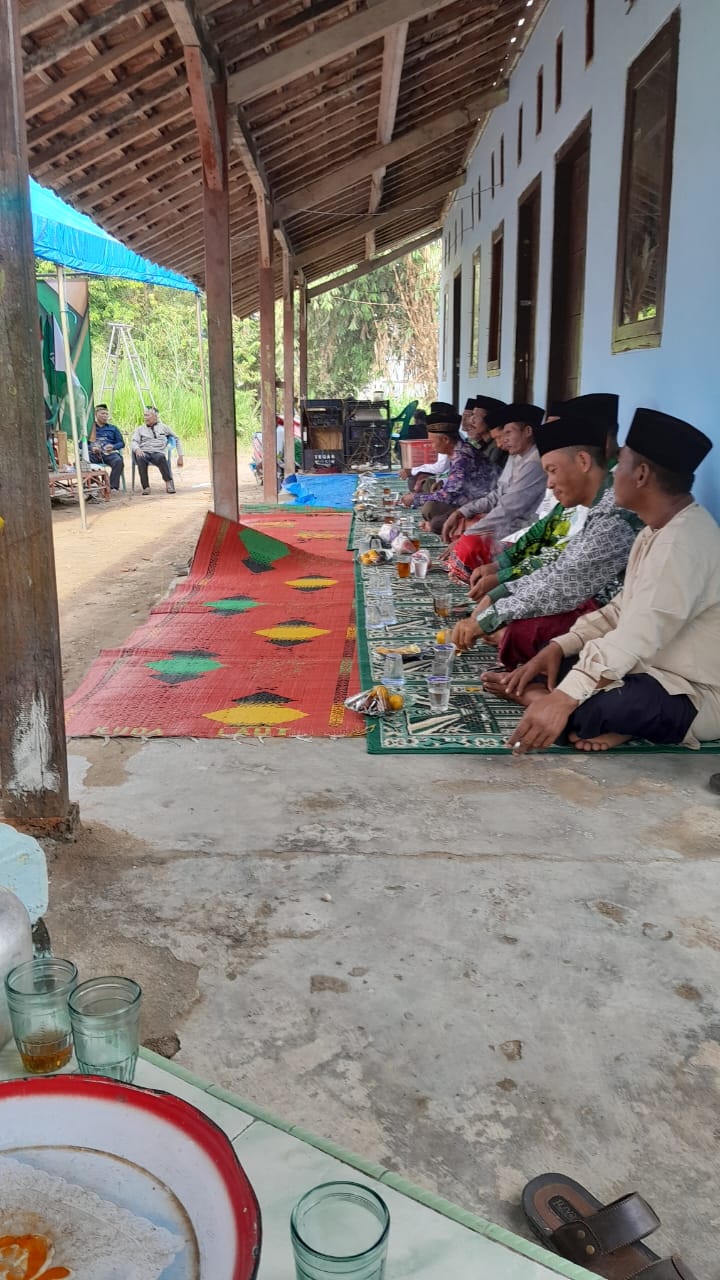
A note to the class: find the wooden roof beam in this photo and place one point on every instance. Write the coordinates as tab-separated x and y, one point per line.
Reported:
366	267
118	164
127	182
305	56
88	29
68	145
242	140
364	163
428	199
118	89
105	146
393	59
75	80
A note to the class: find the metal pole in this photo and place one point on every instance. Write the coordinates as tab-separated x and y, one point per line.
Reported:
71	394
203	380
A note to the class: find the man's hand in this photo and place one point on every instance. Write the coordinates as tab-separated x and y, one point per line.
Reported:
545	663
465	633
406	499
453	527
484	583
139	453
404	473
543	722
181	462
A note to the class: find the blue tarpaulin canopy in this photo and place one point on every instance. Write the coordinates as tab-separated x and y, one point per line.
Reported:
71	239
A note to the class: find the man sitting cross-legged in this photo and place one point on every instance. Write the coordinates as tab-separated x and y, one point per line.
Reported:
648	664
470	472
527	612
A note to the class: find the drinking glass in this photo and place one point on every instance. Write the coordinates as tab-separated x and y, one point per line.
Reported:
441	602
105	1016
438	692
393	672
443	656
340	1229
420	567
373	613
402	565
37	995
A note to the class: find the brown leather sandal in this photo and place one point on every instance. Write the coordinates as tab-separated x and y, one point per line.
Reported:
606	1239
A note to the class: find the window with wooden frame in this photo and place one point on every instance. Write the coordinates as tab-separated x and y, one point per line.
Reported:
475	315
589	31
521	113
539	100
492	175
645	192
558	71
496	293
444	333
502	159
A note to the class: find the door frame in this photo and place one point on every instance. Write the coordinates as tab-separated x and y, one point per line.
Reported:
456	369
582	130
534	188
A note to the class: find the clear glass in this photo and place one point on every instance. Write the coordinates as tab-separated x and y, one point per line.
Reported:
443	656
441	602
438	693
387	609
105	1016
373	614
37	996
420	567
340	1229
393	672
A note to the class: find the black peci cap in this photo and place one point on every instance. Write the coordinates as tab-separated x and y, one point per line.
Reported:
602	405
571	430
443	417
669	442
530	415
489	404
469	405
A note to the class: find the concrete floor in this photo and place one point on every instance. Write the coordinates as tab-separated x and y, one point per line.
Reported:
470	969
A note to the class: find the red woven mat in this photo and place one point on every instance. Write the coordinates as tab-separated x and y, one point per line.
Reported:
322	533
260	639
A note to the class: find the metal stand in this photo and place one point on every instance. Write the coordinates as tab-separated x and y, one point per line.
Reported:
121	346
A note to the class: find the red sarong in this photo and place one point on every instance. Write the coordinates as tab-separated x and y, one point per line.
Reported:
526	637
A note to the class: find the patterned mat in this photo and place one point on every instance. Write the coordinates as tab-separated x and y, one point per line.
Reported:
483	723
259	640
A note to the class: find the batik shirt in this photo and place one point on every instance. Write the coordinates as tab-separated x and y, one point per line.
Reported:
542	543
470	475
590	568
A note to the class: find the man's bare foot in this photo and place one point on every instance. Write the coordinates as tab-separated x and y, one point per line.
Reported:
603	742
495	682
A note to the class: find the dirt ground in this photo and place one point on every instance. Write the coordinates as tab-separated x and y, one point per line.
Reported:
109	577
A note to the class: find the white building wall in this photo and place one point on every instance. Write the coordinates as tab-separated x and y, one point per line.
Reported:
682	376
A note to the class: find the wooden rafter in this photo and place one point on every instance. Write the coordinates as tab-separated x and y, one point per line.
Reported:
76	37
393	58
366	267
343	37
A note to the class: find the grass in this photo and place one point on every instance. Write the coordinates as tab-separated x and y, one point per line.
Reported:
179	407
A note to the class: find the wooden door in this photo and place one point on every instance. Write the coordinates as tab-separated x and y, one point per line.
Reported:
572	173
526	299
457	336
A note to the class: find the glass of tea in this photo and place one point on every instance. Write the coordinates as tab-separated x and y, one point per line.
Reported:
441	602
402	565
37	995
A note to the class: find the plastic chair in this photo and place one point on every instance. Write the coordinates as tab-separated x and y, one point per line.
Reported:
172	444
405	417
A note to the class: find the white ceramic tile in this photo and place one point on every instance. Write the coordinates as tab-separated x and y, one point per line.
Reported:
423	1244
226	1117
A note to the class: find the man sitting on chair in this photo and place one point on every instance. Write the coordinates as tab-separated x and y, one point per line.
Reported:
648	664
106	445
149	445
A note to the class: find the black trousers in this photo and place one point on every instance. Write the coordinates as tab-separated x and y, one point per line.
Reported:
112	460
640	708
156	460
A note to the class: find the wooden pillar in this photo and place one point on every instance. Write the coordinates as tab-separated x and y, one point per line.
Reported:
289	362
303	340
33	758
218	289
267	348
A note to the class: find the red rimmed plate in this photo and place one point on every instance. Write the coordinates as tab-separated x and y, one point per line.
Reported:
151	1154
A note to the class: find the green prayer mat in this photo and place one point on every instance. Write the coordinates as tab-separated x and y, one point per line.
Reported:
483	723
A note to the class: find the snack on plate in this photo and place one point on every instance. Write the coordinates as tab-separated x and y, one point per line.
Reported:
375	702
49	1226
405	650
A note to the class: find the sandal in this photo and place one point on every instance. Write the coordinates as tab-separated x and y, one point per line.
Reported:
606	1239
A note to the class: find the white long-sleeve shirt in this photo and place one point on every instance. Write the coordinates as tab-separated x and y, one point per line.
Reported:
436	468
665	622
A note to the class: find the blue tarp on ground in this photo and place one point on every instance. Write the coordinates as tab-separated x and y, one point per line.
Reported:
71	239
322	491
